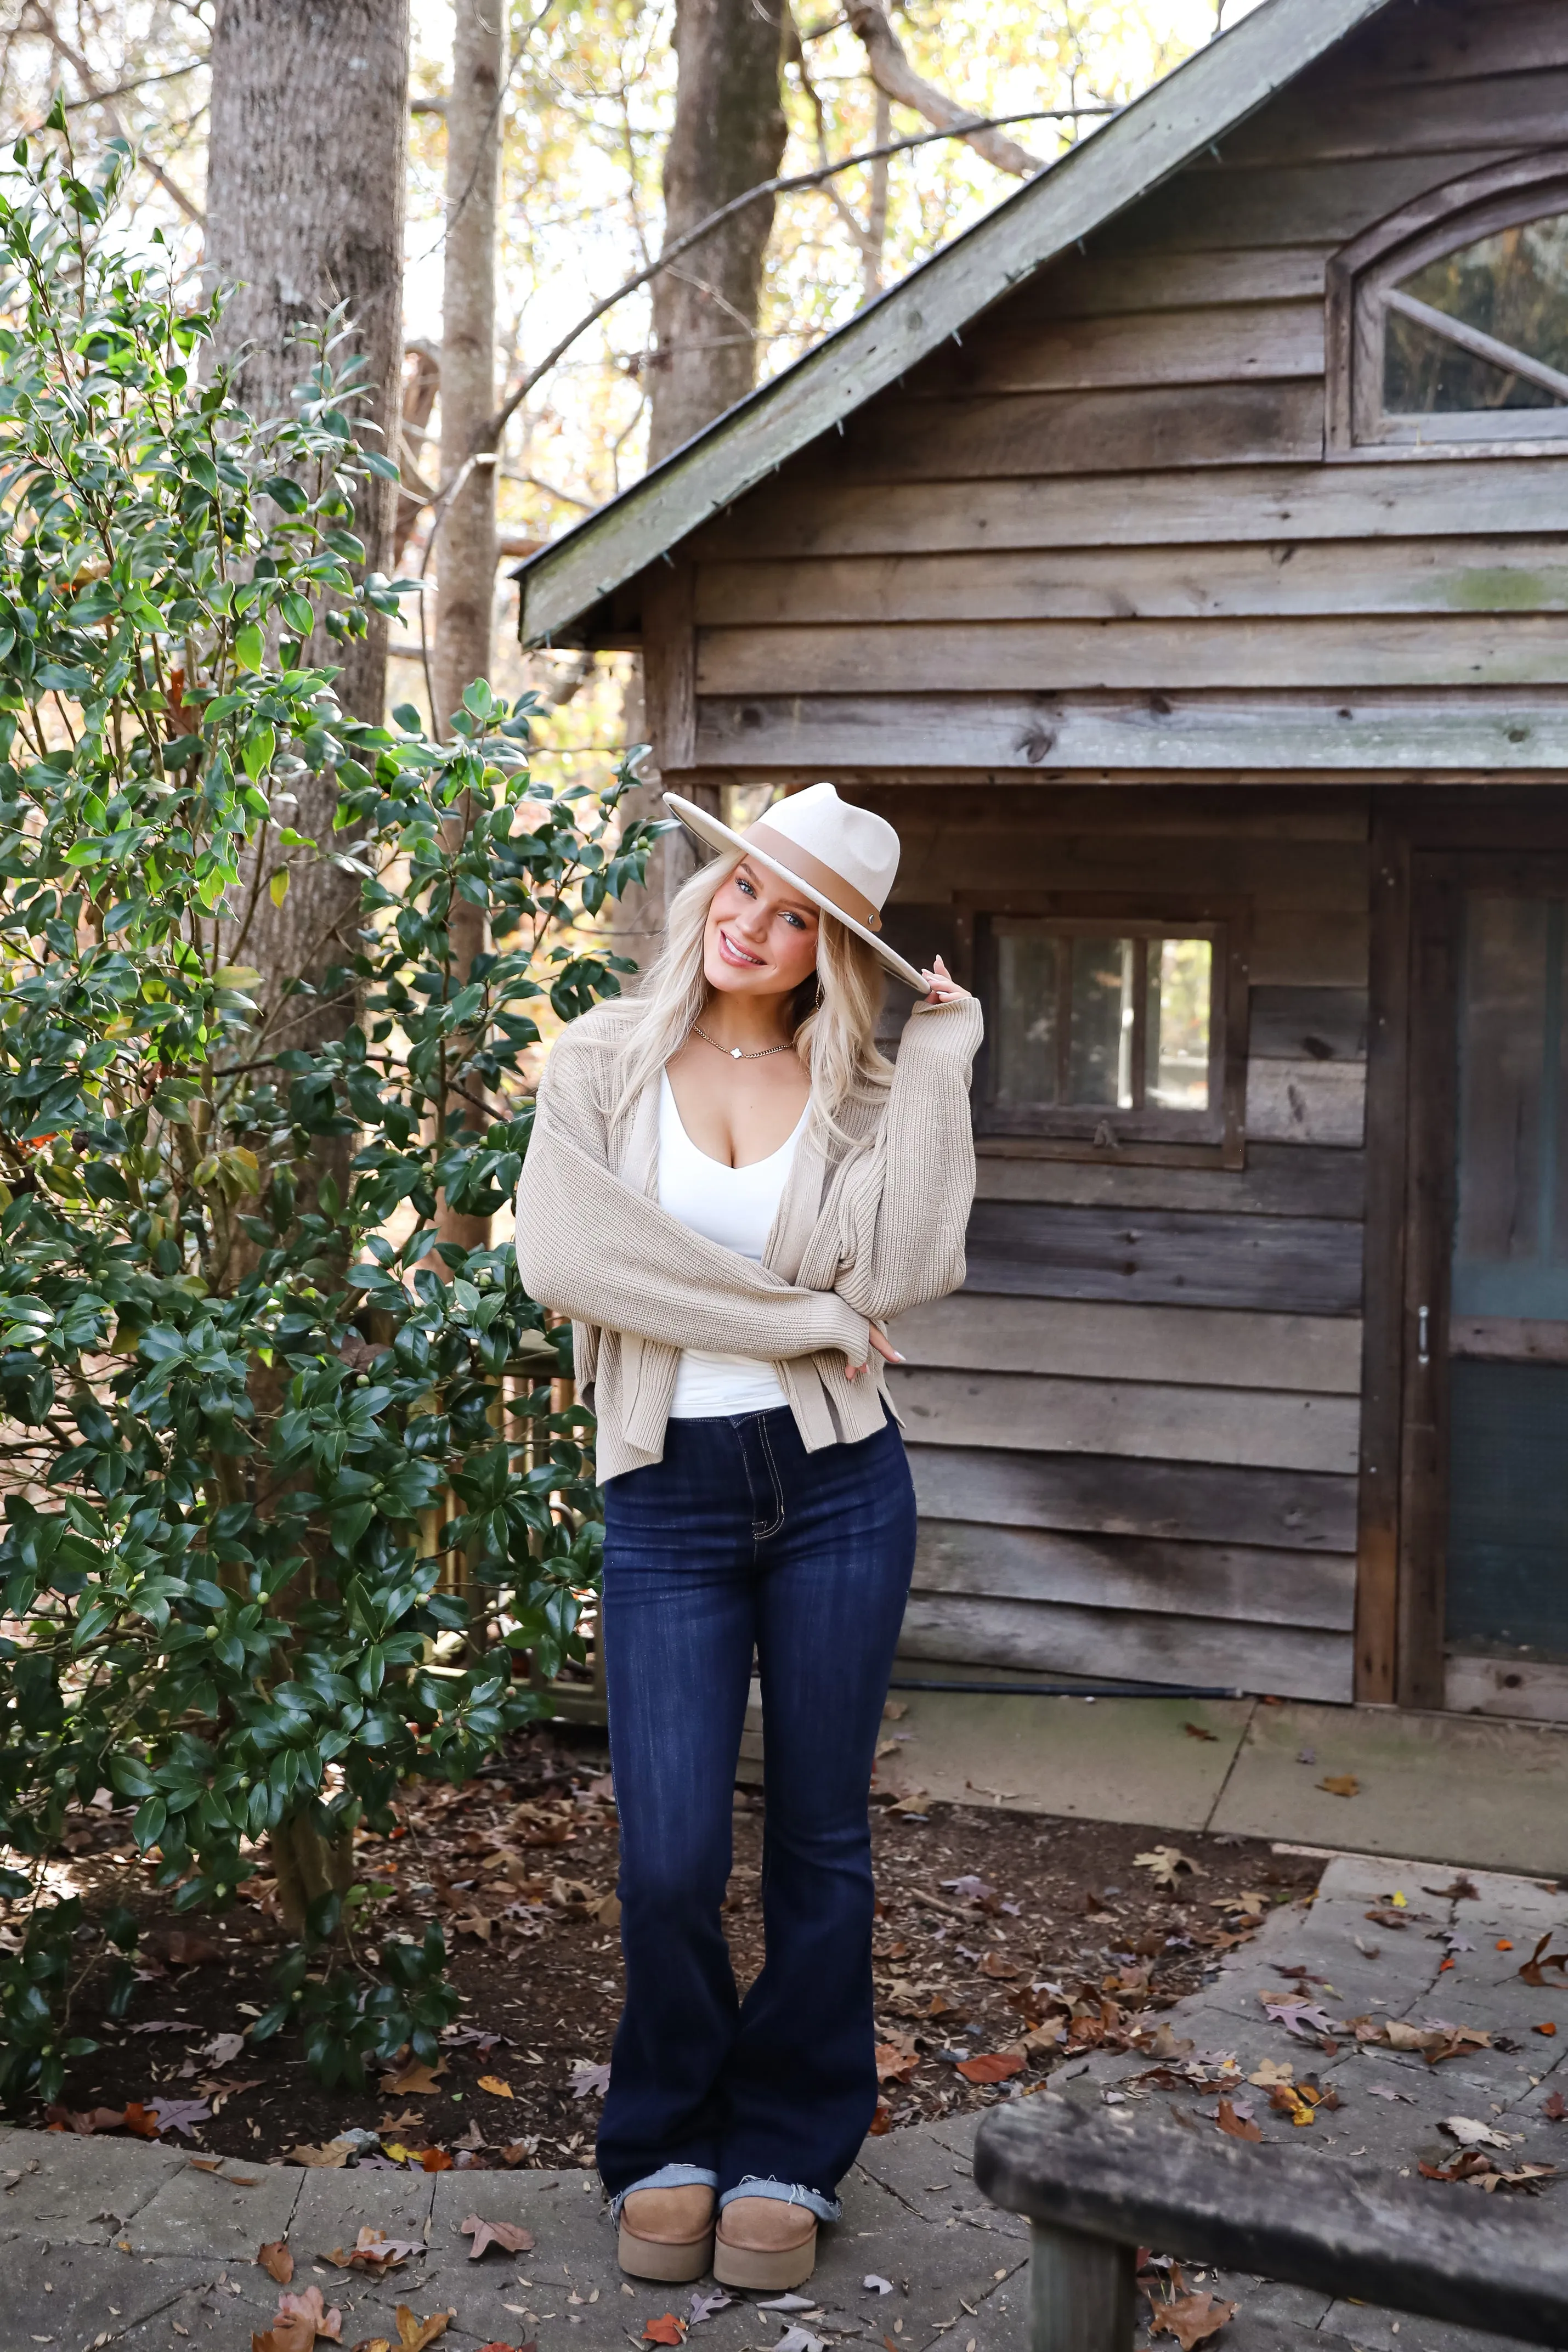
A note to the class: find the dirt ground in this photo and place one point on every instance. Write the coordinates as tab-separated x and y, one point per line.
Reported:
1004	1941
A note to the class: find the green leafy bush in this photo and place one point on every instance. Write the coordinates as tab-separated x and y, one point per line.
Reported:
284	1493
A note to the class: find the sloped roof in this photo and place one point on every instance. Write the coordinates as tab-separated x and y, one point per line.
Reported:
1155	137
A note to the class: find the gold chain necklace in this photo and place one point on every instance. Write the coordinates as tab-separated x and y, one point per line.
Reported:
738	1053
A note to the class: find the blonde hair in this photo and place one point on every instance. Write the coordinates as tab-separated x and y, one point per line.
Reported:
834	1011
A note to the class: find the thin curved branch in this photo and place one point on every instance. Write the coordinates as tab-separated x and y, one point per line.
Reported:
764	188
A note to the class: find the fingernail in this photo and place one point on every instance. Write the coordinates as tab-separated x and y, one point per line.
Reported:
898	1358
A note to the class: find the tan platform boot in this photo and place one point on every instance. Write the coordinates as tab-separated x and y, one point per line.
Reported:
667	2233
763	2244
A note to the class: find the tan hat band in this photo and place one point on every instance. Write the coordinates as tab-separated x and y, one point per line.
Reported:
807	869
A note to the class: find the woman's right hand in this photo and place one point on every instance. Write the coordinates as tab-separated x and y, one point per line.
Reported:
882	1345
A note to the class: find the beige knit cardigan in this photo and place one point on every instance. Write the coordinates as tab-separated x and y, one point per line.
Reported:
863	1232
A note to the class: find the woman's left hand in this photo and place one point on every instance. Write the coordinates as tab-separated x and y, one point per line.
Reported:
944	988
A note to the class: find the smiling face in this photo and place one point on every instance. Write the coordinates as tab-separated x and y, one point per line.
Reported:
761	935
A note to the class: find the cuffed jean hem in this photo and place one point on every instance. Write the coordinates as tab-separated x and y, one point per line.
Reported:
668	2176
786	2192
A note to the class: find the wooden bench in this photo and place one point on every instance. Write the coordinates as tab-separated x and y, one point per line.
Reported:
1096	2182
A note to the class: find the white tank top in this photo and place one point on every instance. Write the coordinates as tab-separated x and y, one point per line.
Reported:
734	1207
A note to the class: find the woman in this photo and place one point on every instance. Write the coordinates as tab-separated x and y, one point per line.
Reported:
730	1191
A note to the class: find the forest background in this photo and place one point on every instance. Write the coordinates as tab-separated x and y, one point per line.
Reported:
585	117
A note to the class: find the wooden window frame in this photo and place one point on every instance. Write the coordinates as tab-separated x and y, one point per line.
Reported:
1360	280
1107	1136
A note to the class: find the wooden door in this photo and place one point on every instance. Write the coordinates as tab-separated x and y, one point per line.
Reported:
1485	1456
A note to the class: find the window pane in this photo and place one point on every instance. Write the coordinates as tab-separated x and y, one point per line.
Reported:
1177	1024
1513	286
1024	1051
1100	1043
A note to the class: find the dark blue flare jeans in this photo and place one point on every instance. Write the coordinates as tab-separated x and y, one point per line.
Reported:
741	1539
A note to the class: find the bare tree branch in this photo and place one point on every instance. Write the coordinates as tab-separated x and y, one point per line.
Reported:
778	187
892	71
91	95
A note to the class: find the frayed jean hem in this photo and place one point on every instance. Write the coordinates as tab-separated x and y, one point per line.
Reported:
786	2192
669	2176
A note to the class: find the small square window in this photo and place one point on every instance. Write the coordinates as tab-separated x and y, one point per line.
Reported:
1109	1030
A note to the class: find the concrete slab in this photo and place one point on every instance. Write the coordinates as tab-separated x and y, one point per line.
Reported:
68	2295
1105	1760
225	2215
57	2185
1450	1788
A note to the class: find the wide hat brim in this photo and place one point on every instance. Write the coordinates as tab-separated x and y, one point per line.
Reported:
719	835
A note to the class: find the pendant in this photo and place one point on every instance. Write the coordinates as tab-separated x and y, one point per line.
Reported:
734	1053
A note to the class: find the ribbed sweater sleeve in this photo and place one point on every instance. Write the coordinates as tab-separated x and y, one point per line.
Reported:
591	1247
906	1207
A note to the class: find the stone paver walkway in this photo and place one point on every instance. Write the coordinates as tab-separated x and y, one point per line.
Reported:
104	2241
1392	2102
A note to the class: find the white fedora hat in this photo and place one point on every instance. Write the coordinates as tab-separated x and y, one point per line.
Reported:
841	858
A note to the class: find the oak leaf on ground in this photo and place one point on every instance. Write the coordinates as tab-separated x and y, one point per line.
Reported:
375	2251
1167	1863
276	2260
1540	1959
508	2235
301	2318
414	2077
666	2330
412	2333
1234	2125
1191	2315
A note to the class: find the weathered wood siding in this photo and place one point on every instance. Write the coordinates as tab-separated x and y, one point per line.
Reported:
1134	1431
1102	542
1102	533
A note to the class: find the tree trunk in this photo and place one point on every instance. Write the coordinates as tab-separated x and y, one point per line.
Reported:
305	206
728	135
465	550
305	209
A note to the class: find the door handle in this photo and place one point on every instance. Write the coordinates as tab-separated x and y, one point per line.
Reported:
1423	1335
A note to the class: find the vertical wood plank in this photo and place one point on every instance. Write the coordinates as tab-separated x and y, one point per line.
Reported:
669	663
1436	903
1377	1533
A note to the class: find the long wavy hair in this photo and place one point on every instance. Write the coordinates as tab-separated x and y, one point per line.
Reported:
834	1012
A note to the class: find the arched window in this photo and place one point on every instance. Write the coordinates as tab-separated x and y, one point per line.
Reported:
1449	323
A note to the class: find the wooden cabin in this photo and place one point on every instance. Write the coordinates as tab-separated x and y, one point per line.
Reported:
1177	559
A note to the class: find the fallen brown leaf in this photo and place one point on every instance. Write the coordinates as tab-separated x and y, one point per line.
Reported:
1167	1863
433	2159
1341	1784
507	2235
496	2086
1555	2107
1234	2125
997	1964
1540	1959
667	2330
375	2253
276	2260
895	2063
331	2157
415	2076
301	2318
990	2066
1192	2317
1197	1731
413	2335
84	2120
